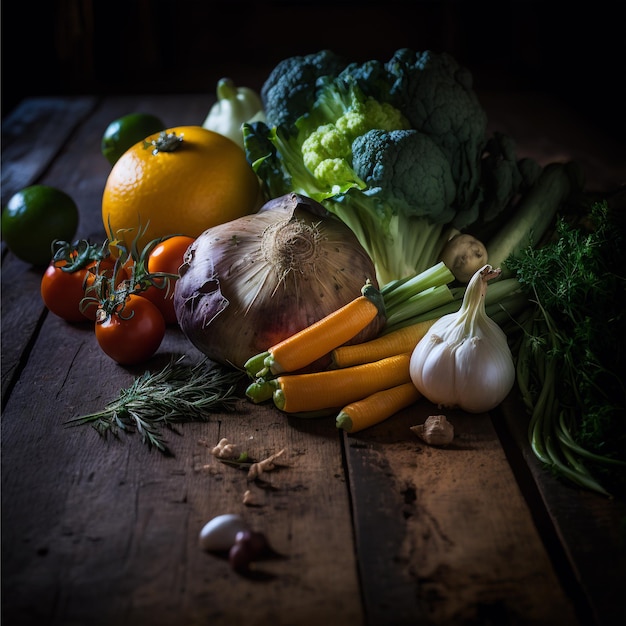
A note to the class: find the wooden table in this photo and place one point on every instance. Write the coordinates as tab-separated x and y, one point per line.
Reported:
374	529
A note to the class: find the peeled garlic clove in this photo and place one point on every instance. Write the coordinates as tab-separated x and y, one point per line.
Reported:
435	431
220	533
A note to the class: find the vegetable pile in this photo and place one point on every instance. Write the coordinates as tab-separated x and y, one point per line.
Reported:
397	150
360	285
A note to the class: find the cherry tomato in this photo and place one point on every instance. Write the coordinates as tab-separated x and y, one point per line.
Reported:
133	334
166	257
62	292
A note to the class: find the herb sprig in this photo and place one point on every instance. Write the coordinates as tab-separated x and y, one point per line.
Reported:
572	354
155	401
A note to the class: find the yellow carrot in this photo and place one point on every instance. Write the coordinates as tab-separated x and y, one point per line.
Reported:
297	393
377	407
396	342
318	339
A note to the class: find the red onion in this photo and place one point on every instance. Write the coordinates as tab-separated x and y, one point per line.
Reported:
252	282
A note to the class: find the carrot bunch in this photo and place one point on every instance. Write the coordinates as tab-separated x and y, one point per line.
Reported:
364	384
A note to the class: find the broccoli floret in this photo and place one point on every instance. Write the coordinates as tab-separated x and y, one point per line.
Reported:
327	149
436	94
410	170
503	178
408	181
289	90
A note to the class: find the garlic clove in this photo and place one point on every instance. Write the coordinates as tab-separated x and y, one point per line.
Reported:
435	431
219	534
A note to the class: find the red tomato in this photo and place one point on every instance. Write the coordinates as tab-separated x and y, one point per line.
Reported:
62	292
133	335
166	257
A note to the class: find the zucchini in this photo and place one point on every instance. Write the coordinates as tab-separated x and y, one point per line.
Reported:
535	213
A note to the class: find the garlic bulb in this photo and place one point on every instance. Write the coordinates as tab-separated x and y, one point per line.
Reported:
464	361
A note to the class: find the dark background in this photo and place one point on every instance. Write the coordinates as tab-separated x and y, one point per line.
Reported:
576	53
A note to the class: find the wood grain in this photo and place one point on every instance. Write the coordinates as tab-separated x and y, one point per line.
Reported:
373	529
460	546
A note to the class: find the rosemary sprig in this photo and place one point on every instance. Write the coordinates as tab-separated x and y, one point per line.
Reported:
176	394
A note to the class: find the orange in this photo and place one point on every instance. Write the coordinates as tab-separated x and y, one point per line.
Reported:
201	179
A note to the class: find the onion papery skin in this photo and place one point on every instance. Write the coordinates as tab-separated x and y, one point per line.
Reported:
247	284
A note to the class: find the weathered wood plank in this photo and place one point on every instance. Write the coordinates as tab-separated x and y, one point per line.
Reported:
588	526
443	534
32	136
111	536
108	533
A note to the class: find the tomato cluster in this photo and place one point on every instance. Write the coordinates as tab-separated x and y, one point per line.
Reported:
128	296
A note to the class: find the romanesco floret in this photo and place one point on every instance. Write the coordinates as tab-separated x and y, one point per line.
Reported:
327	142
368	115
334	174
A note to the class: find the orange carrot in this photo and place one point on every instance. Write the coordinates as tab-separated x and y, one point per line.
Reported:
377	407
396	342
318	339
298	393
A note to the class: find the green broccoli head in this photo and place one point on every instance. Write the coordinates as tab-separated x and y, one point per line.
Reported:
289	90
408	171
436	95
397	147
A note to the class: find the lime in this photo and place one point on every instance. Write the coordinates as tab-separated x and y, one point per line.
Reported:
126	131
33	218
